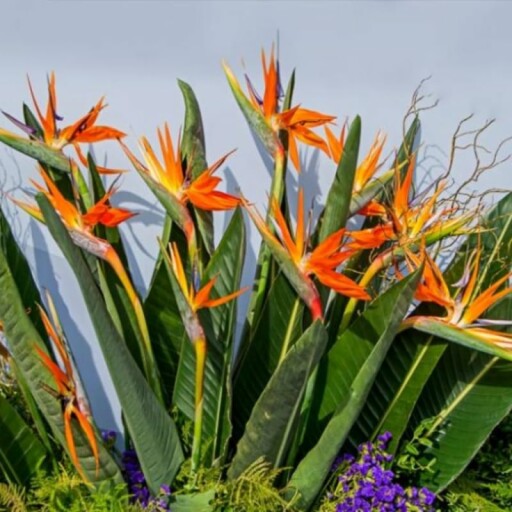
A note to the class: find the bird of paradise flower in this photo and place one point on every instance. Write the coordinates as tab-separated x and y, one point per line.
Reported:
299	264
190	301
69	392
175	187
82	131
464	306
81	229
264	115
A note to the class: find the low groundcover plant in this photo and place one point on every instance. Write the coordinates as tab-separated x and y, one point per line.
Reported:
354	336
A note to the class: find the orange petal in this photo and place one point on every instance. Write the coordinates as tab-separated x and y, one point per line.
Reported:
86	426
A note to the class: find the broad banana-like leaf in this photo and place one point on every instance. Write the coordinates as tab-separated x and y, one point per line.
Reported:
21	452
22	338
226	265
270	428
37	150
350	369
194	152
150	427
30	297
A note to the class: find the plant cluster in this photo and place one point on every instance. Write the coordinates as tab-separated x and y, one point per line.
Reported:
349	333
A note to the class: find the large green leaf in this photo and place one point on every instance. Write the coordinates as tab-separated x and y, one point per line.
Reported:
22	274
270	428
350	368
30	297
337	204
150	427
278	328
219	323
21	452
22	337
36	149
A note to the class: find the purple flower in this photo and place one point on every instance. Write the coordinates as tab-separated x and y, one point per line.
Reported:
366	484
137	484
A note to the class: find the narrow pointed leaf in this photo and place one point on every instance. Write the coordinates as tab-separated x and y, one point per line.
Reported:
194	152
337	205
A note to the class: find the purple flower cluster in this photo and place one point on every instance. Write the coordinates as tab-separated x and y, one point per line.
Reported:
138	487
365	485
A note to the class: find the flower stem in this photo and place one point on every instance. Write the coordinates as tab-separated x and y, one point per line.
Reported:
148	358
200	349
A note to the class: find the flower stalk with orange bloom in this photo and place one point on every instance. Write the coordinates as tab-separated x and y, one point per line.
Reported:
299	264
465	306
406	226
83	131
80	227
69	391
175	187
368	167
189	302
264	115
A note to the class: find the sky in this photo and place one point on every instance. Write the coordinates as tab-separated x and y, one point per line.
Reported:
351	58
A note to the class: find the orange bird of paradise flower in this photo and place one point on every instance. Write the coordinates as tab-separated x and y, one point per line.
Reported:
84	130
296	121
464	307
201	192
370	164
72	405
406	223
80	227
196	300
168	177
321	262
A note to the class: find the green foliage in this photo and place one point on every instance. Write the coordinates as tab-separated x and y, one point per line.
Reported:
340	341
487	483
254	490
65	491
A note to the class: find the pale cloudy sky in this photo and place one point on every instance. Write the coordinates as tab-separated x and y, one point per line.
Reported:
351	57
